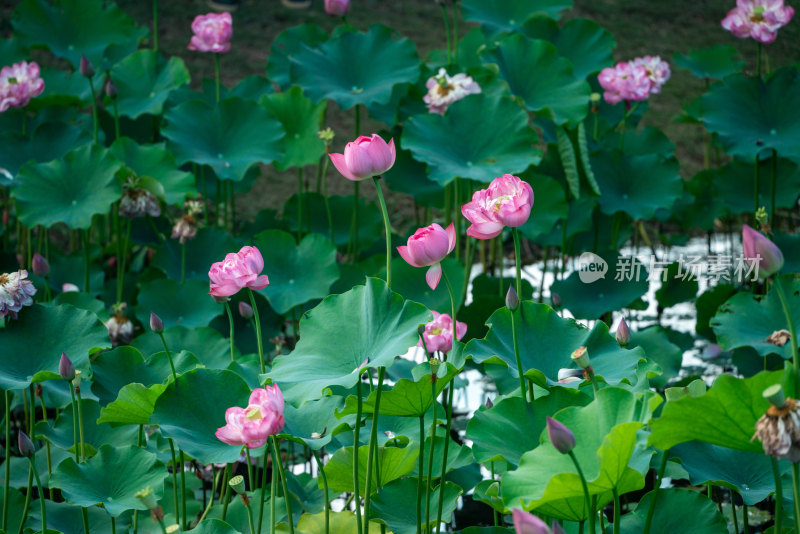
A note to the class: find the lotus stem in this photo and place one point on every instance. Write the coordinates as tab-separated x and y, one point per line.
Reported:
74	423
273	485
518	260
183	492
756	173
224	490
778	495
589	505
793	338
7	477
174	479
515	340
41	493
155	25
94	109
230	326
327	497
299	203
214	483
773	187
430	462
28	493
325	197
447	34
651	510
356	430
258	330
86	259
420	469
262	499
451	389
276	460
373	443
80	423
216	75
388	229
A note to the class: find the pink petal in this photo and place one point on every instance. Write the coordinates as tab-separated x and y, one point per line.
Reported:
406	255
451	236
341	166
433	275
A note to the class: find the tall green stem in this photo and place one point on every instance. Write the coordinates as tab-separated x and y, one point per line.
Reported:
27	504
246	502
651	510
183	491
299	203
94	109
778	495
216	75
793	338
86	259
430	462
75	423
41	493
373	443
7	477
155	25
756	173
175	480
387	229
324	478
230	326
258	330
272	486
773	186
356	431
262	498
515	339
80	424
169	357
616	511
448	425
518	260
420	469
447	33
796	491
452	305
588	499
276	460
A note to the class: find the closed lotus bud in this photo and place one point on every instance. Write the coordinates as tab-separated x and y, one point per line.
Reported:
558	529
512	300
86	67
489	403
623	333
148	498
220	299
337	8
555	298
26	447
40	265
527	523
581	357
560	436
421	329
237	484
758	249
111	89
245	310
66	368
156	324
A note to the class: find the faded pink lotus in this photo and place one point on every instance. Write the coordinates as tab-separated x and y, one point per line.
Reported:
658	71
251	426
237	271
625	81
444	89
759	19
506	202
365	157
758	249
438	333
212	33
337	8
15	293
429	246
18	84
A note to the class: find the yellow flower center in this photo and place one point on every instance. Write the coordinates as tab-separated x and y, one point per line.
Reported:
436	331
3	279
254	413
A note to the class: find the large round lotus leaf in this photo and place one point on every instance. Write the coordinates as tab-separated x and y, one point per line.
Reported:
642	142
410	282
706	206
510	15
579	219
287	44
15	505
95	435
510	428
620	179
607	452
210	245
493	138
229	137
177	304
214	526
714	62
748	473
297	272
313	418
707	305
113	369
193	408
63	88
75	28
732	185
790	246
27	356
211	348
301	119
65	517
70	190
546	342
544	80
750	114
347	70
410	176
395	505
134	405
659	349
370	221
677	285
144	80
50	140
111	478
549	206
726	415
672	514
747	320
393	463
250	88
585	43
366	327
156	162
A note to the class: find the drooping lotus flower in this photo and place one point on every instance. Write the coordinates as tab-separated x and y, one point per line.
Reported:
438	334
251	426
429	246
758	19
18	84
444	89
365	157
506	202
212	33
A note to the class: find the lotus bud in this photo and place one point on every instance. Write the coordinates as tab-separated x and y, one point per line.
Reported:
512	300
66	368
759	249
555	298
245	310
219	299
156	324
86	68
148	498
581	357
527	523
26	446
560	436
623	333
558	529
595	98
111	89
40	265
489	403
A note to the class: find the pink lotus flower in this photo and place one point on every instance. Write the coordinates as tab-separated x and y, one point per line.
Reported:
18	84
527	523
212	33
15	292
507	202
658	71
759	19
625	82
237	271
365	157
443	90
251	426
438	333
429	246
337	8
760	250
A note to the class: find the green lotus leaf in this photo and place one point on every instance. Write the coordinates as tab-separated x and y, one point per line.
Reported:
95	434
70	190
607	452
732	185
656	344
370	222
714	62
15	505
494	138
544	80
510	15
69	330
726	415
156	162
409	176
134	405
410	282
210	245
177	304
586	44
750	114
144	80
287	44
395	505
346	69
214	526
63	88
301	119
297	272
229	137
64	517
50	140
313	418
393	463
107	478
550	206
212	349
191	409
343	522
75	28
677	286
707	305
671	514
706	206
114	369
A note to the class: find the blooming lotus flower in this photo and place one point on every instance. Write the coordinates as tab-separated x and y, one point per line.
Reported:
507	202
239	270
759	19
443	90
658	71
18	84
429	246
15	292
365	157
625	82
438	334
212	33
560	436
251	426
759	249
337	8
527	523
